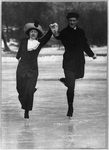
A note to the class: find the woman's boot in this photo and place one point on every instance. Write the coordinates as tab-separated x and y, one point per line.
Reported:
26	114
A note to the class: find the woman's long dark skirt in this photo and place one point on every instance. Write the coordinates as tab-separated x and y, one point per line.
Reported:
26	88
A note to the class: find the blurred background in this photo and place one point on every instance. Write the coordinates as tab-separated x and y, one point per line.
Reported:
93	19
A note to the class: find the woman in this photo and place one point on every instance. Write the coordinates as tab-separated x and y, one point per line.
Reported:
27	70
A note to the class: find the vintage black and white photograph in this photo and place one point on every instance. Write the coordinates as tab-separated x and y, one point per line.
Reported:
54	75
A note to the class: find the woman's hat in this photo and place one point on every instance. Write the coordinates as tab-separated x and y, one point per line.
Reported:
36	26
72	15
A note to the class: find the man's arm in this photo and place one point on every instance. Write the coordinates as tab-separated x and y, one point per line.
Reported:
88	50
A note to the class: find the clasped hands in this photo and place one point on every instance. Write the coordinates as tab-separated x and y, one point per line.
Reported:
54	29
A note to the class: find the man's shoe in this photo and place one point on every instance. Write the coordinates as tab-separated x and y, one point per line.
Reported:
63	80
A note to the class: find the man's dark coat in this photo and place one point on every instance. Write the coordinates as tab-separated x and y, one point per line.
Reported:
75	44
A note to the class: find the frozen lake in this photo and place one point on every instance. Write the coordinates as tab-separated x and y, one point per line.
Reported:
48	126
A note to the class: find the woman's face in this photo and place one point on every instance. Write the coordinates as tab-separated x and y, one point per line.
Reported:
33	34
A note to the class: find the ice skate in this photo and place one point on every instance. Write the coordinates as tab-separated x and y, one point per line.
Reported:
70	111
26	114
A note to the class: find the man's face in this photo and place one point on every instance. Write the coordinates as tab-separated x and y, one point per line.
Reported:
72	22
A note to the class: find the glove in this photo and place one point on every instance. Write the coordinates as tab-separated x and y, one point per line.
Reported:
94	56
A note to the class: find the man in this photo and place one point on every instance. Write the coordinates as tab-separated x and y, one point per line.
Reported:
75	43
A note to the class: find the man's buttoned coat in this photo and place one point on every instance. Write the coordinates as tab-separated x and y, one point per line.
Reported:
75	44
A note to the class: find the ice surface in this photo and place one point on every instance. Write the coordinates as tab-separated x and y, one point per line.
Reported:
48	126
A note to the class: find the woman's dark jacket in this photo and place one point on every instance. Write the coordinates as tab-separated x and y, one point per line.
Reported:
28	64
75	44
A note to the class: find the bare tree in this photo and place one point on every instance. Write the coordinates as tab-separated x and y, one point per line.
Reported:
6	48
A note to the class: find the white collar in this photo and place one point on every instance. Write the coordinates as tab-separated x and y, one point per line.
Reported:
32	44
